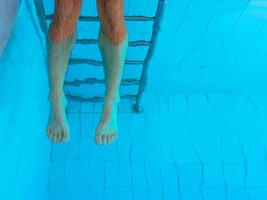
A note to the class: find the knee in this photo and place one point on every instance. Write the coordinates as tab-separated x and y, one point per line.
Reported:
65	18
114	34
111	15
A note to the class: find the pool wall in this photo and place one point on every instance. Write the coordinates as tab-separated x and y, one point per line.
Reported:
24	107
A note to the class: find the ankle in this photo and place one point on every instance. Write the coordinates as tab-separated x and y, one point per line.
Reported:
111	101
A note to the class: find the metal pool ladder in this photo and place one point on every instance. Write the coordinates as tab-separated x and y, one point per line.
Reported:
141	81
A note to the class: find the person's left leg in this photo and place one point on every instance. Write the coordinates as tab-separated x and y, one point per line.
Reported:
113	43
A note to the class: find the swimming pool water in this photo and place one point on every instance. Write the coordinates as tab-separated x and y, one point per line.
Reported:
203	131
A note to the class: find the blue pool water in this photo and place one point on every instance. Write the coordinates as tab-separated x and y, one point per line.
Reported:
203	132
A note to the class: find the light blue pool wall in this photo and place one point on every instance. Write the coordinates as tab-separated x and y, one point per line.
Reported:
24	108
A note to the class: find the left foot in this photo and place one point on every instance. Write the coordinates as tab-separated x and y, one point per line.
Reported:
107	130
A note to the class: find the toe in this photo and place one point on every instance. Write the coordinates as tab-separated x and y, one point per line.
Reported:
51	134
55	136
48	132
59	136
113	137
97	138
65	135
104	139
109	140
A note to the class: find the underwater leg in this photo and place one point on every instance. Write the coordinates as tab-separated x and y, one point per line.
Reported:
61	38
113	43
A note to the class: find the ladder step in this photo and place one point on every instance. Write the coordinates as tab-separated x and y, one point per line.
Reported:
132	44
87	41
76	61
96	18
139	43
91	81
94	99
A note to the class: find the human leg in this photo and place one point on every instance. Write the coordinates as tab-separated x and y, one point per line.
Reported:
61	38
113	43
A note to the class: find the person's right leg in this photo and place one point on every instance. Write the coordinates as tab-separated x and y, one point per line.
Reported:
61	38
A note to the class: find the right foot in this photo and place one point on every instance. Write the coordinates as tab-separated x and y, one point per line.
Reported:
58	127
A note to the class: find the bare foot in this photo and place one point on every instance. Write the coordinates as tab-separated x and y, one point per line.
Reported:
58	127
107	129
